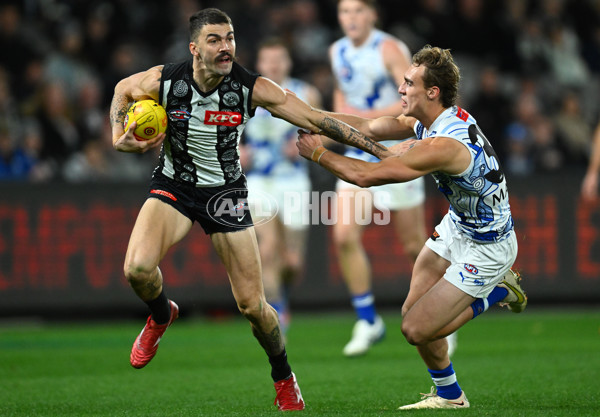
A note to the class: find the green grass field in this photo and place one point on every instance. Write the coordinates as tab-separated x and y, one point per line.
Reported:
540	363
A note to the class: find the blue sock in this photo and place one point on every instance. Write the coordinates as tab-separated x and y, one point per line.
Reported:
482	304
364	305
279	306
445	381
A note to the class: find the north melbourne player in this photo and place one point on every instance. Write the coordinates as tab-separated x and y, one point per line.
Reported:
464	267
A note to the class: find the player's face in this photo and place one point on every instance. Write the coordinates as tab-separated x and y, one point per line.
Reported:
215	47
413	91
274	62
356	19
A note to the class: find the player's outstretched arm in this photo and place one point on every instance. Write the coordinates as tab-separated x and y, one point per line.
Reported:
140	86
432	154
288	107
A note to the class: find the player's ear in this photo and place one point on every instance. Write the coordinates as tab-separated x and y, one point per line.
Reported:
433	92
194	49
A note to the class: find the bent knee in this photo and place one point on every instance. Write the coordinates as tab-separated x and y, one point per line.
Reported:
414	335
251	307
138	272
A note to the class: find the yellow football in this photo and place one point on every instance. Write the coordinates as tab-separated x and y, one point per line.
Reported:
151	119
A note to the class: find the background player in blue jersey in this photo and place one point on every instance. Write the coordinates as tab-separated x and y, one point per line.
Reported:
464	267
368	66
275	169
209	98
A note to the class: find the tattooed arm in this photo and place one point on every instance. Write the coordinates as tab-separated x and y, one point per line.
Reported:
140	86
287	106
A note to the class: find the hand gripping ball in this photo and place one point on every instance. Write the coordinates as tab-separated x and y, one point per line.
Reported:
151	119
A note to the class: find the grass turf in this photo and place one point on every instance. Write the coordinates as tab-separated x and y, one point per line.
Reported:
539	363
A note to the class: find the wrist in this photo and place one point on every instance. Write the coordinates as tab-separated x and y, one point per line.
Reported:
318	153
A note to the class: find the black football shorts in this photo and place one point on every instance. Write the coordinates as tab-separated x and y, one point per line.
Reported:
219	209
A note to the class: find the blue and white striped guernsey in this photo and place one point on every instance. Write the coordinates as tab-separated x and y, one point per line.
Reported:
362	77
478	197
268	135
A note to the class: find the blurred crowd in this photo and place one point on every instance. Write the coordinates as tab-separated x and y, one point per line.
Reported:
531	71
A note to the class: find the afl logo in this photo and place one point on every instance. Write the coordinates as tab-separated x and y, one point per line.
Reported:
175	115
180	88
471	269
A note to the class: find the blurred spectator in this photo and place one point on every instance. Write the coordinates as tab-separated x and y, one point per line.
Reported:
310	37
66	65
126	59
89	164
531	49
575	133
90	113
517	160
546	155
563	56
17	43
9	111
15	163
59	135
493	109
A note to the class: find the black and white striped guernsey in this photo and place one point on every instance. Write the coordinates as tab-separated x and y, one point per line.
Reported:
204	129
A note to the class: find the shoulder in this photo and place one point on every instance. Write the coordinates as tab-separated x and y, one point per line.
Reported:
266	92
245	76
390	45
172	70
336	46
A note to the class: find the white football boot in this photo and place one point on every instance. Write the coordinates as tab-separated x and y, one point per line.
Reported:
364	335
432	400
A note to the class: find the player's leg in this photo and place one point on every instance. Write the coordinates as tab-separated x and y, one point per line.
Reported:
409	224
433	303
270	245
293	265
239	253
352	204
158	227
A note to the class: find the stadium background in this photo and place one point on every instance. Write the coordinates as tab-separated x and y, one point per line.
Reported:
68	201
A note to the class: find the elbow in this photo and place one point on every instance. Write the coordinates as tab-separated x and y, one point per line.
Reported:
362	180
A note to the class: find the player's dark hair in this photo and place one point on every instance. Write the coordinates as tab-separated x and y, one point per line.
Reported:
370	3
210	16
274	42
440	71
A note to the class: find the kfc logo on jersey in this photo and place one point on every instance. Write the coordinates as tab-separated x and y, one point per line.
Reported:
222	118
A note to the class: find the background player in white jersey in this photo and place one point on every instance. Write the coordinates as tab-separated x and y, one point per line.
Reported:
274	167
368	66
209	99
465	265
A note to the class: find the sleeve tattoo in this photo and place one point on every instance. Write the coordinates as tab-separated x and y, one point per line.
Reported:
118	109
344	133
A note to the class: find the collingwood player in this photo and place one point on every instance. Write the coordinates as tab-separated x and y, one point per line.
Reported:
208	100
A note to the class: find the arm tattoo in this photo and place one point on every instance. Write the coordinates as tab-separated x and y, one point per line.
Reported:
118	109
344	133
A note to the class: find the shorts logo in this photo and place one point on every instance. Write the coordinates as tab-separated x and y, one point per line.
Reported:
230	207
434	235
471	269
222	118
164	193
